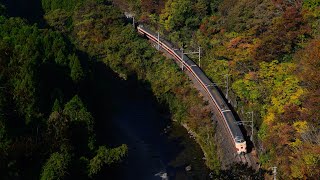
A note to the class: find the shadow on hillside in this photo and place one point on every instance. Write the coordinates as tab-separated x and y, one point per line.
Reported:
28	9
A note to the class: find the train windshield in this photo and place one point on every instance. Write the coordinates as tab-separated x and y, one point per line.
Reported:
239	140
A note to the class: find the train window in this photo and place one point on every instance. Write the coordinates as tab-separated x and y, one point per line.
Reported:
239	140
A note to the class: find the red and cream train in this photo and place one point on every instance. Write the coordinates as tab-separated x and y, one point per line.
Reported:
221	105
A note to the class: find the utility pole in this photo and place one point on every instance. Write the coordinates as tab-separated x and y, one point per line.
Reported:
196	52
251	138
199	56
182	54
245	124
274	171
133	21
227	85
158	42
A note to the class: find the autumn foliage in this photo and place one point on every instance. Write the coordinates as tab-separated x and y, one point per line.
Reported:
271	51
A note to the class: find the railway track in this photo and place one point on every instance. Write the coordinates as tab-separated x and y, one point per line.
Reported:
244	159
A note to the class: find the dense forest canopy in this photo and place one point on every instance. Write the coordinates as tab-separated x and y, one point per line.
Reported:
45	119
46	130
269	49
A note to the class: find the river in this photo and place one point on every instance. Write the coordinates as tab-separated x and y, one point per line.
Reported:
128	113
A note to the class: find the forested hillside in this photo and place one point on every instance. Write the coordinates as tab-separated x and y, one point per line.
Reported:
271	52
101	30
46	129
45	76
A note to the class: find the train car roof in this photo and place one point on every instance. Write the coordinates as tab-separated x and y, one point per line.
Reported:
189	61
154	34
218	97
147	30
230	119
201	75
167	43
234	127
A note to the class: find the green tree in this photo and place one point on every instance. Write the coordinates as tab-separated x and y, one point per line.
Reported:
57	129
56	166
76	110
60	58
106	157
76	73
81	121
69	5
214	5
175	14
56	106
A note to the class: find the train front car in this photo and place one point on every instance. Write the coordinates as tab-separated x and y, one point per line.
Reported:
236	133
240	144
140	29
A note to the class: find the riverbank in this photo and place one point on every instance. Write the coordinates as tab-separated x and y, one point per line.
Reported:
156	145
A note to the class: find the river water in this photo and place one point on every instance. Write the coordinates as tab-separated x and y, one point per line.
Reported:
129	114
